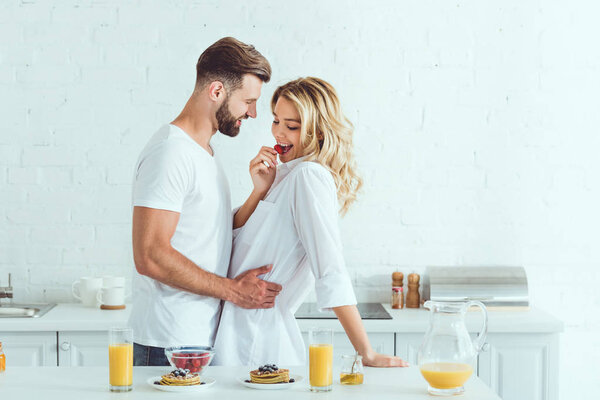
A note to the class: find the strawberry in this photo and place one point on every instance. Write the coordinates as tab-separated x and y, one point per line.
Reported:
278	149
179	362
197	362
204	360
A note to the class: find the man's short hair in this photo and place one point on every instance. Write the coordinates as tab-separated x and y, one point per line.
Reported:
227	61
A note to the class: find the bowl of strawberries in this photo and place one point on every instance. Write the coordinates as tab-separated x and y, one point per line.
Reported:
192	358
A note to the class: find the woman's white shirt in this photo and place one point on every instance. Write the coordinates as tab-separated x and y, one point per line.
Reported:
296	229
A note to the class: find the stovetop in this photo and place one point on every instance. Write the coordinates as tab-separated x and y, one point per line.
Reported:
366	310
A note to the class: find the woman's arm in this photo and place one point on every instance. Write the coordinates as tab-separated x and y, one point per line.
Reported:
314	208
262	171
352	323
246	210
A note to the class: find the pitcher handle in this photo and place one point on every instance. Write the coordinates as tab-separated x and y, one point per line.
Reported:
74	286
480	339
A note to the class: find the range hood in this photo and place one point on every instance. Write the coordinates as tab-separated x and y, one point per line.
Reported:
493	286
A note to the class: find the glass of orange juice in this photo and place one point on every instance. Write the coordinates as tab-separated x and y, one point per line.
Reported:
320	354
120	359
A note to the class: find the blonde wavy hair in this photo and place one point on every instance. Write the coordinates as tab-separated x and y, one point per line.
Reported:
326	134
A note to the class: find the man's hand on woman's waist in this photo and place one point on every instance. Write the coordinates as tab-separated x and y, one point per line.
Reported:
156	258
247	290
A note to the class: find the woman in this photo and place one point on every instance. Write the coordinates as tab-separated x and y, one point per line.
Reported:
290	220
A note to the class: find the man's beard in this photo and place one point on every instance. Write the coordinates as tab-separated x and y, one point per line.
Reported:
226	121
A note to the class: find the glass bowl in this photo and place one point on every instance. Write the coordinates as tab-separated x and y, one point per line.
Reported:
194	358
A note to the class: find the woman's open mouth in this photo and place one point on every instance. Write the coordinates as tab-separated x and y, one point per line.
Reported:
282	148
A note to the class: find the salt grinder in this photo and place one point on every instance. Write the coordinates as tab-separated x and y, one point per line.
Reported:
412	297
397	290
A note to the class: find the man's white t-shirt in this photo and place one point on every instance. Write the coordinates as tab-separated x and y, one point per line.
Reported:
175	173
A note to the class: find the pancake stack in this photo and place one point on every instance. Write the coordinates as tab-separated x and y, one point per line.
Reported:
180	377
270	374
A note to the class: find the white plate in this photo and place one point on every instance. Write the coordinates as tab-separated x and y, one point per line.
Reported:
208	381
272	386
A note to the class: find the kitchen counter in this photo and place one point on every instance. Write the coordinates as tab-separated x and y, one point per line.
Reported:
521	359
69	317
75	317
407	320
56	383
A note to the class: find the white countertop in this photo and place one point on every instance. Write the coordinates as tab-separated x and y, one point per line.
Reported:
75	317
69	317
409	320
60	383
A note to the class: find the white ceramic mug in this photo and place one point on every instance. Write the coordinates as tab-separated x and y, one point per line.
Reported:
86	290
113	281
111	296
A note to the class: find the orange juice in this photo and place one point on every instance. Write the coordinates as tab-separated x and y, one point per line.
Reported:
120	363
2	359
321	364
443	375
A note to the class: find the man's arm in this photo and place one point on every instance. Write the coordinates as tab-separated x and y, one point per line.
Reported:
156	258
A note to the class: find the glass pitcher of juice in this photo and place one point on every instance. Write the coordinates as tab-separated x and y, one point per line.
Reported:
447	353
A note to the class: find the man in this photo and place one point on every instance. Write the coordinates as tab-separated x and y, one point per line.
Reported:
182	219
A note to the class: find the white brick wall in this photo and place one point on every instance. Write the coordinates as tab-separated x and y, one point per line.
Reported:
476	132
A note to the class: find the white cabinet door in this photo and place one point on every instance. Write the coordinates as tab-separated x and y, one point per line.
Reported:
381	342
407	346
521	366
89	349
29	349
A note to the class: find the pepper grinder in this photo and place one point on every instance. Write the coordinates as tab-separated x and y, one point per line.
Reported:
412	297
397	290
